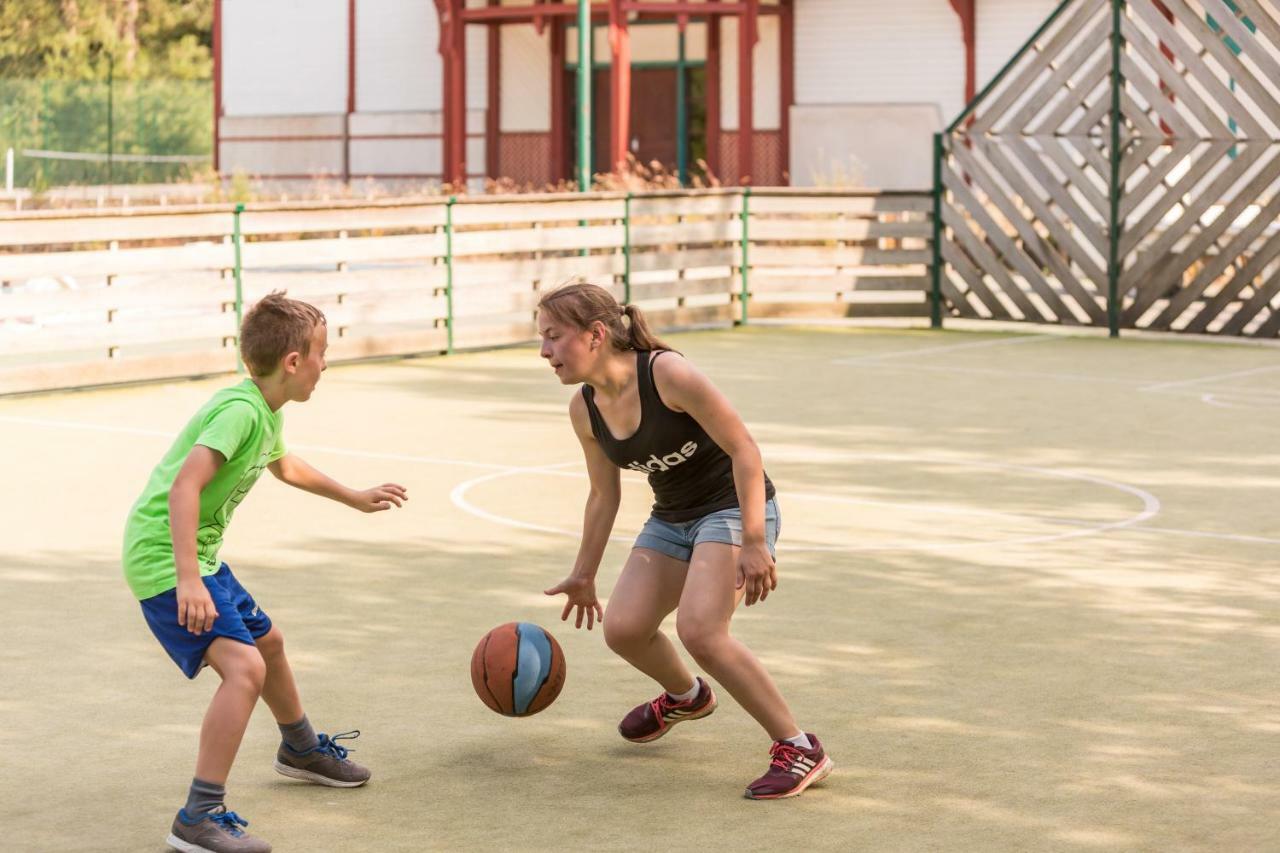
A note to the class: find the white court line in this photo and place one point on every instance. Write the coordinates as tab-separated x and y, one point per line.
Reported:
310	448
1163	385
1151	507
554	470
1262	402
1025	339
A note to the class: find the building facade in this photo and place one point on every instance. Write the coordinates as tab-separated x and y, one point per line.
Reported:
766	92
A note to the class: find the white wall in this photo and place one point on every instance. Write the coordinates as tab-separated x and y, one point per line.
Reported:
525	88
398	64
910	51
766	74
284	57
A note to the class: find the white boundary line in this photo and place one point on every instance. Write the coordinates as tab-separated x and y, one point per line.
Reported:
1007	341
458	494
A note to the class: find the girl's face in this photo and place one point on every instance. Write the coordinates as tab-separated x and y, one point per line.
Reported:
571	352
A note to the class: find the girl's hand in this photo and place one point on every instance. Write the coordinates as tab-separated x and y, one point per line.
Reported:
757	571
582	595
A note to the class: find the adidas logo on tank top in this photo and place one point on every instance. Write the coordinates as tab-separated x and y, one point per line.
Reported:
667	461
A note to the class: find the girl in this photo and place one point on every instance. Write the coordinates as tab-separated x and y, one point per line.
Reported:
709	542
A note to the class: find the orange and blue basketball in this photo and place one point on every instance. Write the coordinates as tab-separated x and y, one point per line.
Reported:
518	669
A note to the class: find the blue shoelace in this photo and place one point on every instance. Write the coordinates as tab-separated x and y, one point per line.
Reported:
230	822
328	745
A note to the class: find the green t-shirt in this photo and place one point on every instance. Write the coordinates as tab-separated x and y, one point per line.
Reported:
240	425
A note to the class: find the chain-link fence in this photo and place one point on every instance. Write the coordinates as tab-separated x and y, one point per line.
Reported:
95	132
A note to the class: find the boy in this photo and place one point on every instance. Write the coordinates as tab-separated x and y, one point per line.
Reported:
195	606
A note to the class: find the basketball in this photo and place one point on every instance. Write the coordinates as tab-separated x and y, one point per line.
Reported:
518	669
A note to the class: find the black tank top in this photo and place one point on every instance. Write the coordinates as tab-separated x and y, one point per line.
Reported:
689	473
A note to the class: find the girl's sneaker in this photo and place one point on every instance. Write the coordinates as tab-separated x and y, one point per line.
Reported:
652	720
791	770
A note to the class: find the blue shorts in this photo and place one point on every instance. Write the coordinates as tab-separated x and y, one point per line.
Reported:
239	618
678	538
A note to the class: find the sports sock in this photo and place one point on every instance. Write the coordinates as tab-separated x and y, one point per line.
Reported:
204	797
300	736
801	740
686	696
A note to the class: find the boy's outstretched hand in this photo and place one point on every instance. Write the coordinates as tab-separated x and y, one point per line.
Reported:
380	497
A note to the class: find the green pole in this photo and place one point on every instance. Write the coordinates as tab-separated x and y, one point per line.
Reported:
935	294
682	119
1113	254
584	95
745	295
448	267
626	252
235	238
111	113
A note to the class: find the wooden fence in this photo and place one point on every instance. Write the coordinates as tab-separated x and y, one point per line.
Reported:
156	293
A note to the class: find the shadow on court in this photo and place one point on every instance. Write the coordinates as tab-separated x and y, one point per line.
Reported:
1027	604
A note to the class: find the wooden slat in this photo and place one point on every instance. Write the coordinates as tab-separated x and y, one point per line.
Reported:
73	229
972	276
386	344
122	262
1015	255
687	259
482	213
682	288
1019	80
550	271
848	205
717	206
809	310
262	222
987	261
848	256
715	231
124	334
809	230
831	284
47	376
510	241
335	251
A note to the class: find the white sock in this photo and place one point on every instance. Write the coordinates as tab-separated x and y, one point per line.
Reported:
686	696
801	740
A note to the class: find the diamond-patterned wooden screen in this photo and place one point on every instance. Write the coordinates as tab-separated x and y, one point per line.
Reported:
1029	190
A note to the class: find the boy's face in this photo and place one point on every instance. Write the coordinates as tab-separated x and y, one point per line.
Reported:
307	368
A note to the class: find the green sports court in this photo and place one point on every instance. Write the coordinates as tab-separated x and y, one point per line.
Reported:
1027	597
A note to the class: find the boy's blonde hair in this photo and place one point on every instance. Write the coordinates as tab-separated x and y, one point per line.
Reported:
275	327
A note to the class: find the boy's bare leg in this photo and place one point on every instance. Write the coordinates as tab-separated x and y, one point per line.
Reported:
243	672
279	691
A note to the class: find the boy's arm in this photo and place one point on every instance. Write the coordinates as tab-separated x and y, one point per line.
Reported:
195	606
296	472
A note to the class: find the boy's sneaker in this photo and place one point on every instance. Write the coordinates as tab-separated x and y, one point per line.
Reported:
791	771
215	832
652	720
325	764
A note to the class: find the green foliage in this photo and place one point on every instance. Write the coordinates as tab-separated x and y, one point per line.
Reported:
129	76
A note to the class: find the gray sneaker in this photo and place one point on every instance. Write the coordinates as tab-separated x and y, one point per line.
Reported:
216	832
326	764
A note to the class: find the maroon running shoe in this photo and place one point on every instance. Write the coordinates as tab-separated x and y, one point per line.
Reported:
791	770
652	720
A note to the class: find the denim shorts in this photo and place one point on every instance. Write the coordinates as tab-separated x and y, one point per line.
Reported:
239	618
678	538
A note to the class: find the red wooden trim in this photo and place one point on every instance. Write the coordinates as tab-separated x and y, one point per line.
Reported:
351	89
787	49
217	81
620	82
967	10
492	115
558	128
458	167
747	36
530	14
713	97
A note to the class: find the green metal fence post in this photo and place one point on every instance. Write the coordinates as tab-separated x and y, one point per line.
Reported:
626	252
1113	252
935	290
235	239
448	271
745	295
585	33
